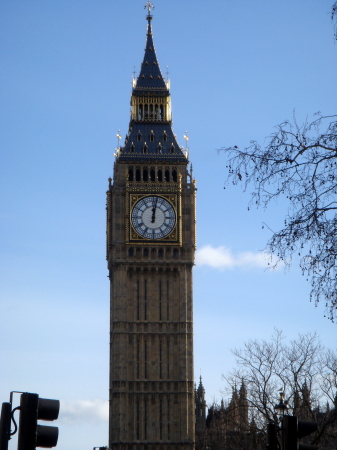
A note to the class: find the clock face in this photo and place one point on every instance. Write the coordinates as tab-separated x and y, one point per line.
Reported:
153	217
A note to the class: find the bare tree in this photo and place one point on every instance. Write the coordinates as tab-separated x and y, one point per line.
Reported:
299	163
303	370
334	16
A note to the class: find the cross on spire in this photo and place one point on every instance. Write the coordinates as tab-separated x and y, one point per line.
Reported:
149	5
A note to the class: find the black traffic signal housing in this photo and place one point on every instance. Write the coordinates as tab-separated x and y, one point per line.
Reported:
31	434
272	441
5	425
294	430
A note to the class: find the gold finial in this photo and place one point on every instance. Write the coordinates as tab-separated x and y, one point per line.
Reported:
119	137
149	6
186	139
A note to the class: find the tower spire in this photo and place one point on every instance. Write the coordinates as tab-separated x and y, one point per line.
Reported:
150	135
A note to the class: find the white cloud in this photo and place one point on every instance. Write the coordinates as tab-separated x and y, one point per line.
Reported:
95	410
222	258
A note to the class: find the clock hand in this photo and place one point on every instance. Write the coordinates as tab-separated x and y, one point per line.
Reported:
154	210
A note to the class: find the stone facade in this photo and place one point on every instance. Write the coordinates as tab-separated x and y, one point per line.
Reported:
151	315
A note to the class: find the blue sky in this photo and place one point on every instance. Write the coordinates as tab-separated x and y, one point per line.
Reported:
237	69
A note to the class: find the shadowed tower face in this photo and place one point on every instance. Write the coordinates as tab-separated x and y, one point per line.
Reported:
150	253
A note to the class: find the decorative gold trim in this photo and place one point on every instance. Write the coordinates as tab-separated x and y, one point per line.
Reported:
174	198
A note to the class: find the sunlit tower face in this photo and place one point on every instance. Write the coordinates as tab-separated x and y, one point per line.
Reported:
150	253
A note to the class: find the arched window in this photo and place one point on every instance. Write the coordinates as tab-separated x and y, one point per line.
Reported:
132	148
167	175
160	175
146	252
152	136
140	112
161	112
174	175
172	148
165	136
175	253
146	112
156	109
145	175
152	175
160	148
139	136
151	111
145	148
138	175
130	174
160	253
131	252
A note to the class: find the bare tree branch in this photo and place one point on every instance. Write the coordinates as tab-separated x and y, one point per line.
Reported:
300	164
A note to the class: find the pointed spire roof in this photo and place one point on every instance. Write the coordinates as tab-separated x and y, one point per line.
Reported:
150	77
150	136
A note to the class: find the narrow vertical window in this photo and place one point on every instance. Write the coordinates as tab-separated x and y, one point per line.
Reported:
160	175
160	300
168	300
167	176
161	419
145	358
152	175
140	112
130	174
138	175
160	359
138	355
137	420
145	418
168	358
145	300
168	418
174	175
138	301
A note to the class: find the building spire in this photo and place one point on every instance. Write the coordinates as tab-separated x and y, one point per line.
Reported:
150	133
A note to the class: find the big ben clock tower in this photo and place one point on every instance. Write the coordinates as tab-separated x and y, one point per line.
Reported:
150	253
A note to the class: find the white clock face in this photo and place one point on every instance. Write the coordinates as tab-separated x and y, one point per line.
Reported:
153	217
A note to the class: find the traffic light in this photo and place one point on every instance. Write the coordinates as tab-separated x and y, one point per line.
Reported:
272	442
294	430
5	425
31	434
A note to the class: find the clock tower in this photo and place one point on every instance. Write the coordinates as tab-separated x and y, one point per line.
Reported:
151	231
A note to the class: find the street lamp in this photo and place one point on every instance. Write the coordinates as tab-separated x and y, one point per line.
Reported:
281	410
282	407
